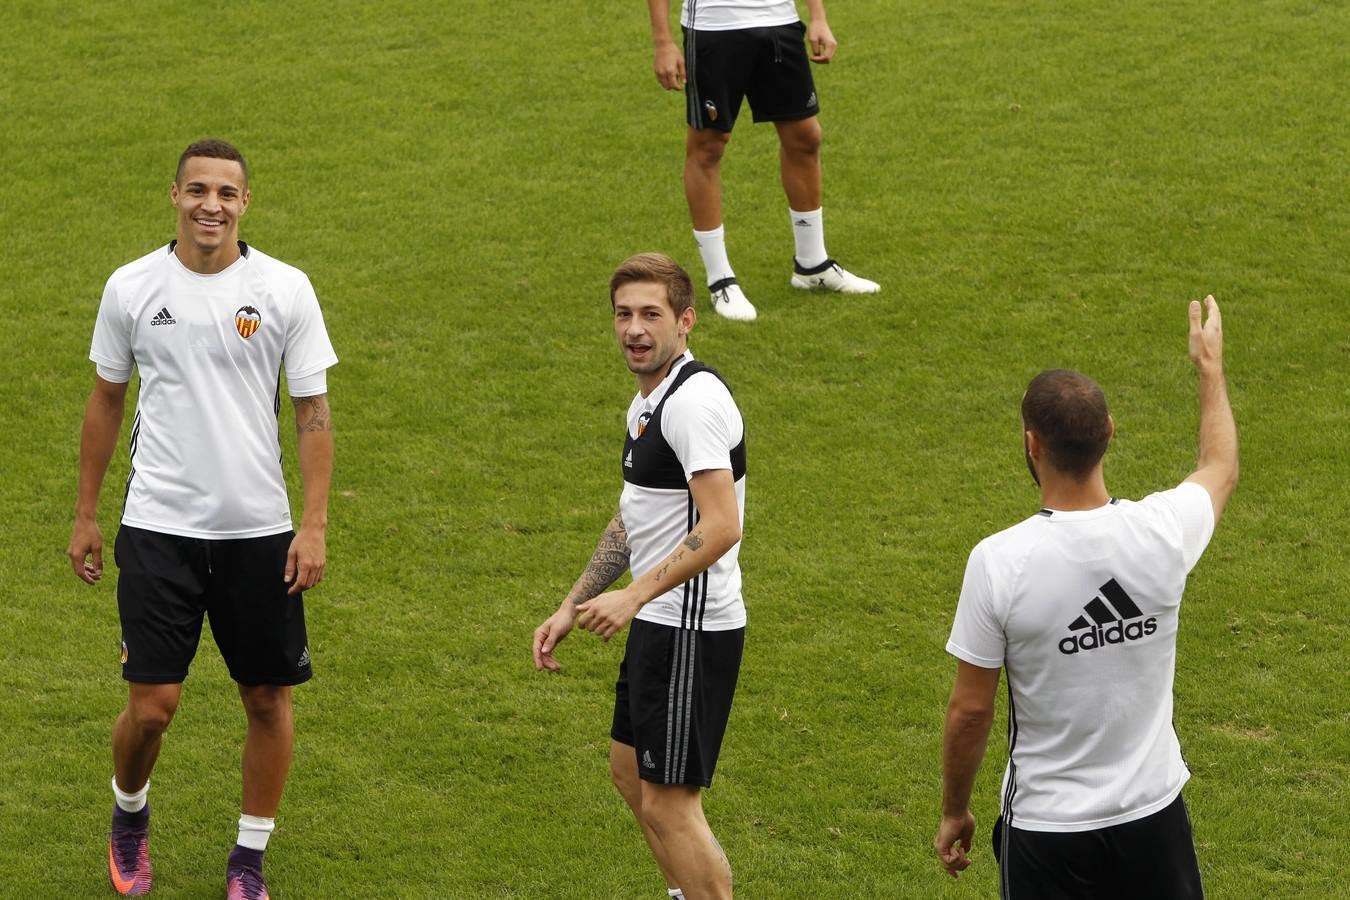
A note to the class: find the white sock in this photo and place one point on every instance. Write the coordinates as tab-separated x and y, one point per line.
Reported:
132	803
254	831
675	893
712	246
808	230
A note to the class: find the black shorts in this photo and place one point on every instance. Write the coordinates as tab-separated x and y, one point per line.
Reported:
768	66
673	698
1152	857
166	583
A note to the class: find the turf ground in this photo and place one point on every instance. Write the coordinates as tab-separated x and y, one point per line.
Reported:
1034	184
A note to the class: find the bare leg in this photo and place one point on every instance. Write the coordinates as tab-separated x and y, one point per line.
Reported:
675	812
267	747
799	158
139	731
624	773
703	148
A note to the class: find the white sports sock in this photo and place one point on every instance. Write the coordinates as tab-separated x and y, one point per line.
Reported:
808	230
712	246
254	831
675	893
132	803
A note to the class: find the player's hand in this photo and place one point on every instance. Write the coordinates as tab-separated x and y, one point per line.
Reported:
1206	342
820	41
86	551
547	636
668	64
952	842
305	560
607	614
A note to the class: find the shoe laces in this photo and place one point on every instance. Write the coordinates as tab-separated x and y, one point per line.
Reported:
128	843
251	881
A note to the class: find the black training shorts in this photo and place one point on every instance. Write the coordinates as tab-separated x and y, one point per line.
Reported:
768	66
1152	857
673	698
165	585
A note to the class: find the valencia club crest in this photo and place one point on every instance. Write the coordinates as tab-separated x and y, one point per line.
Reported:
246	321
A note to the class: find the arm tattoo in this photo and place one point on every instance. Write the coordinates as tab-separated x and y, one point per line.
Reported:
312	414
693	542
609	561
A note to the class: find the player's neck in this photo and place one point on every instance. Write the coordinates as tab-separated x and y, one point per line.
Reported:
207	262
1067	494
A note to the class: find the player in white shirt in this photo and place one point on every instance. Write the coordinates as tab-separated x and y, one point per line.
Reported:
678	529
751	49
1080	604
208	323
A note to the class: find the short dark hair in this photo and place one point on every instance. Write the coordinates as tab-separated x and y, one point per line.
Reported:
1067	410
212	148
658	268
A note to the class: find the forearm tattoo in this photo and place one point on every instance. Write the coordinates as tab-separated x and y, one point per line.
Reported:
609	561
693	542
312	414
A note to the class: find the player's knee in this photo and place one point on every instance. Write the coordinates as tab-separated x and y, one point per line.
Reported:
804	139
266	704
152	716
666	810
705	148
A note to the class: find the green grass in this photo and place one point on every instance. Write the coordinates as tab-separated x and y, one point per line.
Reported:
1034	185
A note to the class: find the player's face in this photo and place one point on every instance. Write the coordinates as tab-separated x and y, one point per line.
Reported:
210	196
649	332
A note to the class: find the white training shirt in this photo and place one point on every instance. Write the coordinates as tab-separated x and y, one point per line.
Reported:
205	452
702	425
1081	610
729	15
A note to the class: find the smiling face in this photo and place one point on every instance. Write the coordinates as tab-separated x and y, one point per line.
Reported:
210	195
648	330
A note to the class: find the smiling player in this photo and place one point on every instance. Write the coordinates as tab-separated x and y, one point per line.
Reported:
206	529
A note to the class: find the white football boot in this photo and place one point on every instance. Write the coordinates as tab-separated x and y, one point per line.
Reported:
729	301
830	276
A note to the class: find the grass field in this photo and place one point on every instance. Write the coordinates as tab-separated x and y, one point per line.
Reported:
1034	184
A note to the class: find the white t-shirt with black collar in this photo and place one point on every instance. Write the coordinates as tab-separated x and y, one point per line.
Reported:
1081	609
205	451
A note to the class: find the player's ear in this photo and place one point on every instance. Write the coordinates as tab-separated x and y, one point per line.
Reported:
173	192
687	320
1110	428
243	204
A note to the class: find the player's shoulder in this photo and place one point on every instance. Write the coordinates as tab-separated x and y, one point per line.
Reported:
1012	545
129	274
273	269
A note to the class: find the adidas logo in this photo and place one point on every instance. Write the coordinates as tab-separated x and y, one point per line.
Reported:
628	460
647	760
1104	627
304	659
164	317
802	222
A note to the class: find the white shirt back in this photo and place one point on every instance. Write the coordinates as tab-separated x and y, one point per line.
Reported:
205	452
1081	610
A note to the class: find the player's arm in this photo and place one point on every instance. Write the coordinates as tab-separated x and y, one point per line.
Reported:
1216	468
314	448
819	39
608	562
667	58
717	531
98	438
965	734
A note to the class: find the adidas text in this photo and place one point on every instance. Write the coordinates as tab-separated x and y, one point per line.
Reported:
1115	633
